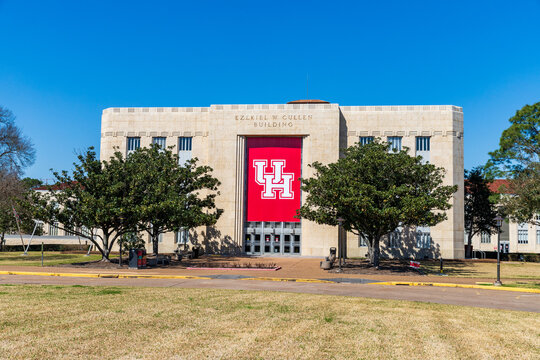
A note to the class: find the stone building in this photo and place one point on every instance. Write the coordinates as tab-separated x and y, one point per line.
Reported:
258	151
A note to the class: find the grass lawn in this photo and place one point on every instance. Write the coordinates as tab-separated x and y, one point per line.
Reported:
50	322
50	258
472	269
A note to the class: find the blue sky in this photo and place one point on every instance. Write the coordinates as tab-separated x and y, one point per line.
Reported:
63	62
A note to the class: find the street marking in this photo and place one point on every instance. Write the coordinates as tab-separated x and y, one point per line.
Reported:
465	286
104	276
291	280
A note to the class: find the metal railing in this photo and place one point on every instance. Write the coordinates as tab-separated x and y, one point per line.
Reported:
482	254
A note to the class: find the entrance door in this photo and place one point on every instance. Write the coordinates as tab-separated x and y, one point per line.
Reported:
272	238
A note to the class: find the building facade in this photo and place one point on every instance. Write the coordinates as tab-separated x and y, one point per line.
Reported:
515	237
259	151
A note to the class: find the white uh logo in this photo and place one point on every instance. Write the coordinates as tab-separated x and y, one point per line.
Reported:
276	182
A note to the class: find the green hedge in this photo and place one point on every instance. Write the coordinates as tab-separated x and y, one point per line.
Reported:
528	257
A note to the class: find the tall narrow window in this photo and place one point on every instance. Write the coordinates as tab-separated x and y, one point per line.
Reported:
85	231
181	237
485	237
423	145
395	143
362	242
184	149
538	236
523	234
133	143
423	237
364	140
160	141
53	229
394	239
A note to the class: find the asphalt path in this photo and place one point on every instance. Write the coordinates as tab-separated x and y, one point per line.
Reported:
495	299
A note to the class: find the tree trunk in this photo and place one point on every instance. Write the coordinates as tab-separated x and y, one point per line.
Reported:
105	255
2	241
105	252
155	244
374	253
468	248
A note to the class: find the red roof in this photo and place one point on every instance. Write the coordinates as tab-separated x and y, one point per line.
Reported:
54	187
311	101
501	186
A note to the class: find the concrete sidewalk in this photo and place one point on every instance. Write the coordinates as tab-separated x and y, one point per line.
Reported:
291	268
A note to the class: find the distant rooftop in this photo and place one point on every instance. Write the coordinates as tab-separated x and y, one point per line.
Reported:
311	101
501	186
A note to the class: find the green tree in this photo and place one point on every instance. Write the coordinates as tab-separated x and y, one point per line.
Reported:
519	145
31	183
97	195
480	210
518	158
172	196
375	191
523	205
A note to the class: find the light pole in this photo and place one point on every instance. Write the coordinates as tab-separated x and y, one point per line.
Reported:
340	245
498	221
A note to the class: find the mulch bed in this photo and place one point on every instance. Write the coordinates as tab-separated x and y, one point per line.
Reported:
97	264
204	262
386	267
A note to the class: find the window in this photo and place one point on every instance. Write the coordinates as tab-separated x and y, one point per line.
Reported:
69	232
485	238
364	140
422	143
423	237
85	231
133	143
181	237
184	149
362	242
39	227
423	147
160	238
53	229
395	143
523	234
160	141
538	236
394	239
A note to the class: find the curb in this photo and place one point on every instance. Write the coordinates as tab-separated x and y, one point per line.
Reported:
465	286
104	276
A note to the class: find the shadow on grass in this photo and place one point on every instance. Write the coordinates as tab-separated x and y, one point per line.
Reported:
451	268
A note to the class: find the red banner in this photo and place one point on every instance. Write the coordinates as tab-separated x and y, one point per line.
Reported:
273	169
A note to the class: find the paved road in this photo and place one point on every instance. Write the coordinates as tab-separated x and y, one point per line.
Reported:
453	296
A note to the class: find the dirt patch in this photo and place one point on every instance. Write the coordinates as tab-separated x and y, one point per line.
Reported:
386	267
96	265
